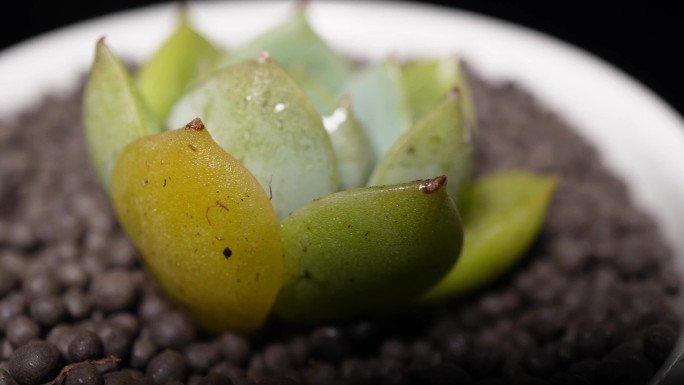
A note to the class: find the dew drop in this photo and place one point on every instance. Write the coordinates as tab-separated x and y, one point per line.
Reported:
333	121
279	107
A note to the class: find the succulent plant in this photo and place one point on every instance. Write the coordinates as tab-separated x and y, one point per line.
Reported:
283	180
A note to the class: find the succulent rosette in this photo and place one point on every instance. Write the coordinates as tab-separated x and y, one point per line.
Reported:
281	179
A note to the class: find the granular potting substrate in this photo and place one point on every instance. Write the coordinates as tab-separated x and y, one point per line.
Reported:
590	304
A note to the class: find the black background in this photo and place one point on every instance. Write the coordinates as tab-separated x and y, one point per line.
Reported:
642	38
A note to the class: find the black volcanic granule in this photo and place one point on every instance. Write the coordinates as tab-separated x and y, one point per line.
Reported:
592	303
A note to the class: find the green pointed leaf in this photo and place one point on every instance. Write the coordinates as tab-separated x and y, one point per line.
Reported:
366	250
322	97
429	81
295	45
381	103
502	216
185	56
354	152
438	144
114	112
258	114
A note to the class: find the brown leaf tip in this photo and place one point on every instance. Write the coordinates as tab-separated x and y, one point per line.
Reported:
455	92
263	57
195	125
431	185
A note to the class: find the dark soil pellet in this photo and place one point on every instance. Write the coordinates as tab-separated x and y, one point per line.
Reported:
34	363
77	303
21	329
328	343
114	291
61	336
10	307
167	366
6	378
84	374
235	348
72	274
116	341
658	341
48	311
41	284
277	380
173	329
118	377
142	351
201	356
592	302
85	345
229	370
127	321
8	281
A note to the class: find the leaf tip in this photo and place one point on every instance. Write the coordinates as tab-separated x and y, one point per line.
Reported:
429	186
263	57
455	92
195	125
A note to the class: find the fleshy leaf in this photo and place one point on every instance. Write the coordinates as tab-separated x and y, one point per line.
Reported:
322	97
258	114
438	144
381	104
296	46
366	250
203	225
502	215
354	152
114	112
427	82
185	56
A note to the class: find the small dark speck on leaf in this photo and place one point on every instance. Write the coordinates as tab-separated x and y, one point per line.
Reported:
227	252
411	150
192	147
164	185
145	182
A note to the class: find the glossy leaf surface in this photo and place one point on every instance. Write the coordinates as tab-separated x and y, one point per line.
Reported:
502	216
204	226
258	114
114	112
366	250
381	104
438	144
183	57
354	152
427	82
296	46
